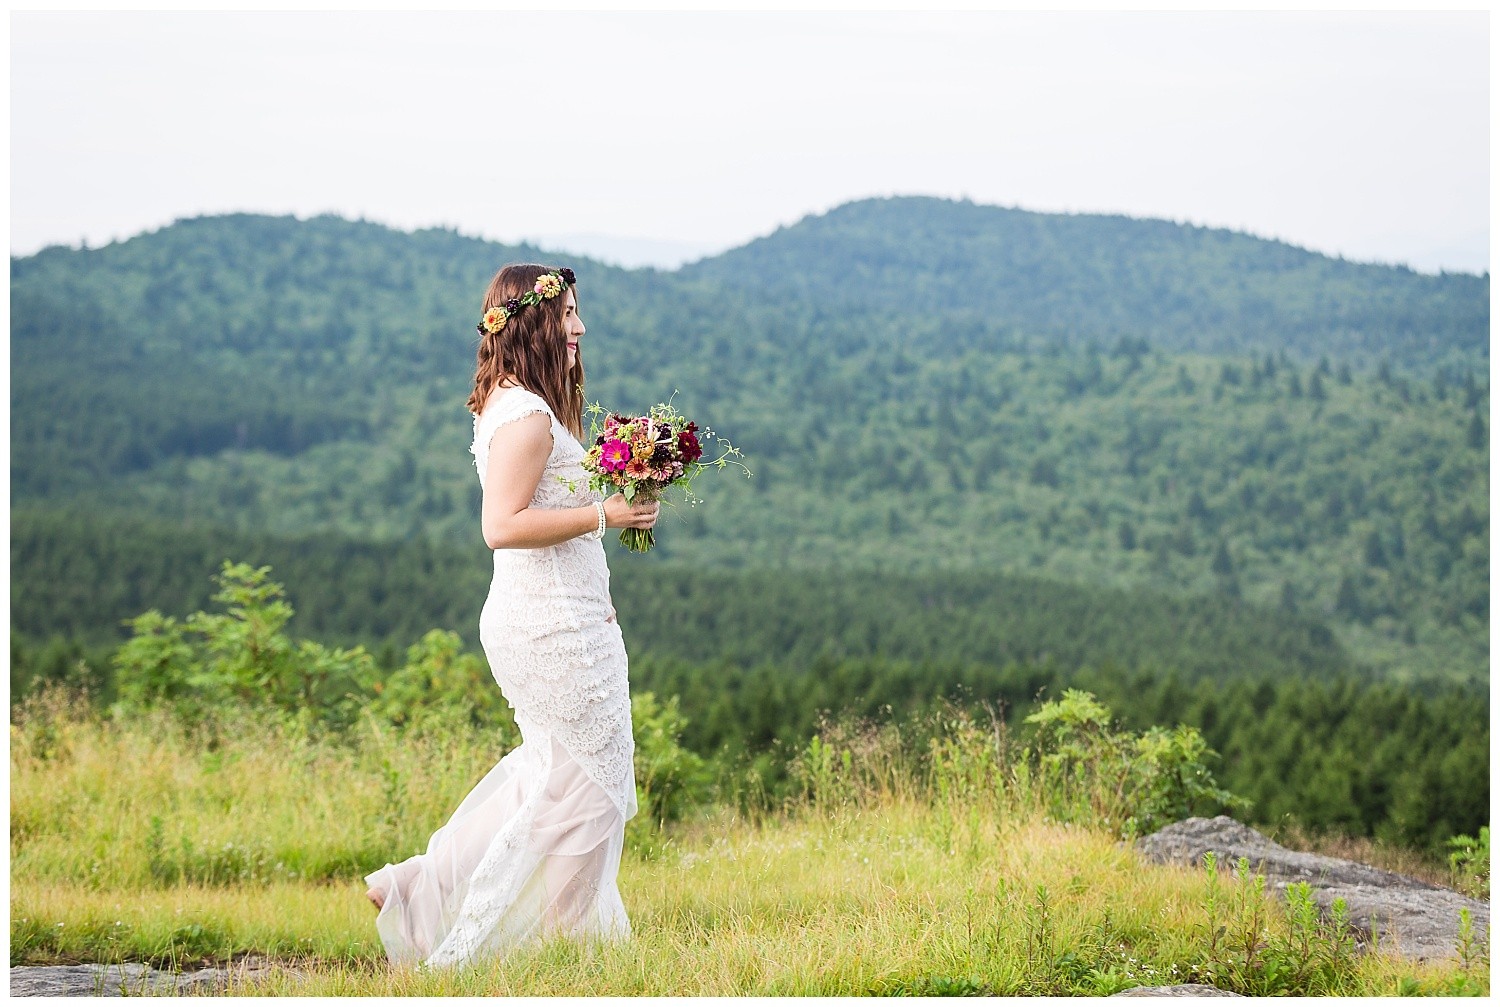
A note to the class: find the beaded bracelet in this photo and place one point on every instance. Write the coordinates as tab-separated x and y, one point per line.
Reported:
597	533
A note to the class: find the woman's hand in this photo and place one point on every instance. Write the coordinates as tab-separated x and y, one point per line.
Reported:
618	513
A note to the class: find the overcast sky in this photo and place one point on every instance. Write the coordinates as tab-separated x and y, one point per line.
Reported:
1354	133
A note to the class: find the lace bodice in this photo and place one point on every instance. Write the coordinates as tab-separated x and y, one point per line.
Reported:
564	461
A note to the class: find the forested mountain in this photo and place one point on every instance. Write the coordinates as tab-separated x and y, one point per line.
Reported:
288	378
983	270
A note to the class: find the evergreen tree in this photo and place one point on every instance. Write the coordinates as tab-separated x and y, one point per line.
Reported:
1044	472
1287	603
1471	391
1474	437
1222	564
1315	390
1348	602
1197	508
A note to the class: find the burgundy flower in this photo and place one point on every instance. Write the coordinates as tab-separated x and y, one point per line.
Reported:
567	275
687	446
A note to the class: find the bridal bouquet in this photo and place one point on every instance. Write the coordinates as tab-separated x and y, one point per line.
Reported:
640	456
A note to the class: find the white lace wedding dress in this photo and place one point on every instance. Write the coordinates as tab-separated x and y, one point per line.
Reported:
533	850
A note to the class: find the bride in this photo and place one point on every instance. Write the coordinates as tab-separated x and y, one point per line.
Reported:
534	848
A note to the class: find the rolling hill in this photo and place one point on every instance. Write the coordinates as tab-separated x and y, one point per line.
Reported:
919	385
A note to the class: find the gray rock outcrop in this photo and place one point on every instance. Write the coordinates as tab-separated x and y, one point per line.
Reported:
1414	917
127	979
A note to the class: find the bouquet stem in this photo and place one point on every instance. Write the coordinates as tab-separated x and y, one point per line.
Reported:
637	539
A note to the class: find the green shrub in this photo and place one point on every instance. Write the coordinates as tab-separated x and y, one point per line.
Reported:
1469	861
1130	784
211	662
1241	953
440	682
670	780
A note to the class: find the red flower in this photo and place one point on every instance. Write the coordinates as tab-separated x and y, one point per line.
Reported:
687	446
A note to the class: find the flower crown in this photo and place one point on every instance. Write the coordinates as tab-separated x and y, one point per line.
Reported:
548	285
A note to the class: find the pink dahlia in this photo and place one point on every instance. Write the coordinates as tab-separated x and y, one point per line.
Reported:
615	457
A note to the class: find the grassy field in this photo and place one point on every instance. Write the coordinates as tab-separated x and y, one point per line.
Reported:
152	842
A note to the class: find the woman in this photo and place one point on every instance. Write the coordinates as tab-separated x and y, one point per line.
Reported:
533	850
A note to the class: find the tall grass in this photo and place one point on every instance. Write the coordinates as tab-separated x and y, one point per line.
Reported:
921	858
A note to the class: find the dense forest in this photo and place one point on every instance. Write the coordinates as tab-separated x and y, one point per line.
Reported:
1075	277
300	377
1210	477
80	579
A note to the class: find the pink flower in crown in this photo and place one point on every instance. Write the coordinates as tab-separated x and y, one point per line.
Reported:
548	285
615	456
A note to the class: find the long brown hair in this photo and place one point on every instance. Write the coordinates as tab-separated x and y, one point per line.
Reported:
532	346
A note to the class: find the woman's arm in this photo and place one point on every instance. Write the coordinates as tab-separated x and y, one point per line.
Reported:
517	458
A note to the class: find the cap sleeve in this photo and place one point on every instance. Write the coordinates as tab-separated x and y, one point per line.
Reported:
513	405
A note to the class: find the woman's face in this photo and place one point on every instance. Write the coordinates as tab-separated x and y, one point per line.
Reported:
572	325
